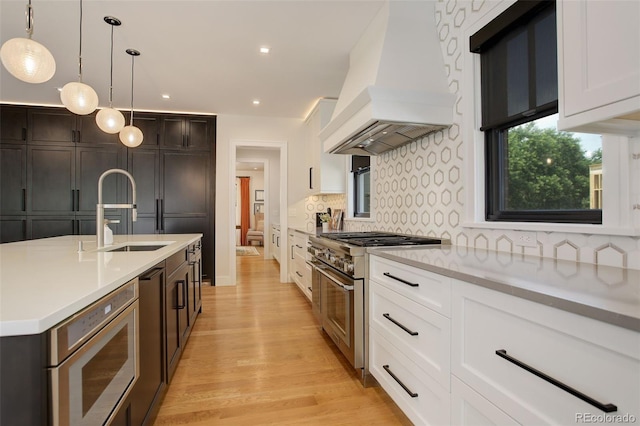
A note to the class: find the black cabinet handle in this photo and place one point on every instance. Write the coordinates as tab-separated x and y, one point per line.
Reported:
77	200
413	333
182	285
161	216
157	214
406	389
310	289
386	274
151	274
73	201
24	199
298	246
607	408
310	177
299	274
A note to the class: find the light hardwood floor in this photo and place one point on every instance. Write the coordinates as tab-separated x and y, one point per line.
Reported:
256	357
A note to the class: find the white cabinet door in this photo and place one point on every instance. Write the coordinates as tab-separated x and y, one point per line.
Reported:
599	65
599	360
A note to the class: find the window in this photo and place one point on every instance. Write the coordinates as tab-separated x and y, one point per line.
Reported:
361	169
533	172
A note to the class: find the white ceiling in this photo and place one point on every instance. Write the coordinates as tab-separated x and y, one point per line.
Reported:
203	53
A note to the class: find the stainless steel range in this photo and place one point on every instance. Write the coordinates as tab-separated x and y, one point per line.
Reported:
340	290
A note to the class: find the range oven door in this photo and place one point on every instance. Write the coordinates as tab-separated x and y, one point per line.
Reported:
337	300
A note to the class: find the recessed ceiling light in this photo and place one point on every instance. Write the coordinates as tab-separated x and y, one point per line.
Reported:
256	102
264	50
59	89
166	96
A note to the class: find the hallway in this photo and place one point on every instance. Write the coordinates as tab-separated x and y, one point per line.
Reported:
256	357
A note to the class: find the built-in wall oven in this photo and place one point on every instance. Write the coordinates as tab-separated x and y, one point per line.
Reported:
340	278
94	360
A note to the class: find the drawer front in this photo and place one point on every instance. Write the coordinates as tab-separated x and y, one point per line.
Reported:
597	359
468	407
430	404
300	245
420	333
424	287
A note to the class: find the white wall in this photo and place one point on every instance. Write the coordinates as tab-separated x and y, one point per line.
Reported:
237	128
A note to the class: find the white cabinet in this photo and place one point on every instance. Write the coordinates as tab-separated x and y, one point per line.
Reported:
311	170
497	337
599	66
301	271
409	338
452	352
275	242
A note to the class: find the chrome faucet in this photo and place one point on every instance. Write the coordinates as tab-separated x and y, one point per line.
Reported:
100	222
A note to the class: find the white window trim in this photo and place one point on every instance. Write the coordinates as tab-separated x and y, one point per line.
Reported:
350	192
618	154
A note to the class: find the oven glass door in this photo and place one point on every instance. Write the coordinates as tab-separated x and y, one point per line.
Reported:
93	382
337	310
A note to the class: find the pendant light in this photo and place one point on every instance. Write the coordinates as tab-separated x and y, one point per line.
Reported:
26	59
130	135
110	120
78	97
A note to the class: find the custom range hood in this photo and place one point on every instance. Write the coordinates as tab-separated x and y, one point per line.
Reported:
396	89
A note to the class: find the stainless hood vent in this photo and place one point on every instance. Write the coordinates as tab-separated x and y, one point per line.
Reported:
396	89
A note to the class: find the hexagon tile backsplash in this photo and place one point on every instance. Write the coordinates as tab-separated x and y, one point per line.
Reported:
418	188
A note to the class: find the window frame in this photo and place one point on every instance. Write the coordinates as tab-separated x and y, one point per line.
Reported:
618	187
356	193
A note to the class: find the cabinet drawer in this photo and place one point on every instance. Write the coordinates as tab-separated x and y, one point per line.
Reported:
425	338
176	260
430	403
468	407
424	287
599	360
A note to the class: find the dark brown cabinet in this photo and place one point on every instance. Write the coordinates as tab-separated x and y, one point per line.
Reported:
187	132
146	394
195	282
176	315
51	160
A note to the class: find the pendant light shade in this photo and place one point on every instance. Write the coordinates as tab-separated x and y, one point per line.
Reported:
110	120
78	97
26	59
130	135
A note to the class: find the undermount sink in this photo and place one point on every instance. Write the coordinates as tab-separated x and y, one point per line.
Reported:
136	247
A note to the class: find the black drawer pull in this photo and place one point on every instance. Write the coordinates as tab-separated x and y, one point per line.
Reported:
386	274
607	408
299	274
406	389
413	333
151	274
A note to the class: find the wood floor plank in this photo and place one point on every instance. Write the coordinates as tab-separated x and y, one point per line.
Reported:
257	357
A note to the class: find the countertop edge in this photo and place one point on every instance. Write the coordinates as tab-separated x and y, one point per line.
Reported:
41	325
566	305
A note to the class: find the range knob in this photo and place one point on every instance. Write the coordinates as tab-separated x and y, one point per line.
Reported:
349	267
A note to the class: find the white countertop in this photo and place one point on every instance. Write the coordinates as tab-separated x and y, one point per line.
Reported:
43	282
604	293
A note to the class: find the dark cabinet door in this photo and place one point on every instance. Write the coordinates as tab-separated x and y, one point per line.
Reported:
176	316
45	227
149	126
199	133
90	164
51	125
88	132
195	283
13	124
144	166
173	132
51	176
151	379
13	179
185	183
13	229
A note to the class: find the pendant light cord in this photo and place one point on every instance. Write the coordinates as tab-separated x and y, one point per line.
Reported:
111	72
132	60
29	16
80	52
